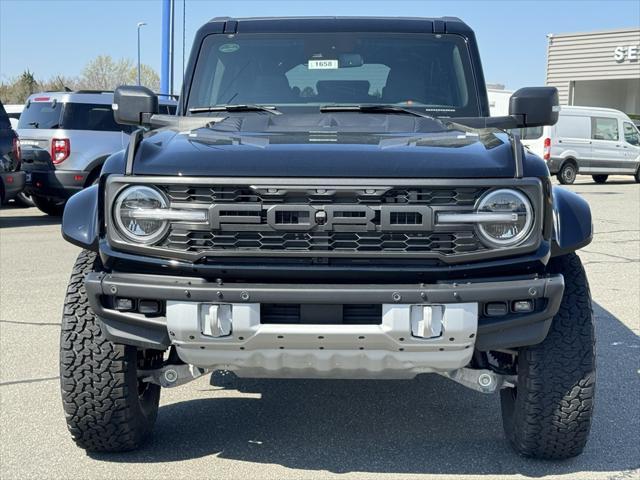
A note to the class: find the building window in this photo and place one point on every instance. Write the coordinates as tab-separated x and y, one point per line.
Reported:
604	128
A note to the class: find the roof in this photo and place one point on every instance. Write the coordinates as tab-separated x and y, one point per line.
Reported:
336	24
101	98
582	108
595	32
87	96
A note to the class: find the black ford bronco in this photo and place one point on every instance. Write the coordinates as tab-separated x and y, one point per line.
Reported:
332	200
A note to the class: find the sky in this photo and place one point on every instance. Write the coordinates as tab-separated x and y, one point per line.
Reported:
58	37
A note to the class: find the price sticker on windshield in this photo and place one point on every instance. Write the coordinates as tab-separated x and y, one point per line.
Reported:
323	64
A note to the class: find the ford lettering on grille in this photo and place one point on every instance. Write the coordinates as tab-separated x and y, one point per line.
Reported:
322	218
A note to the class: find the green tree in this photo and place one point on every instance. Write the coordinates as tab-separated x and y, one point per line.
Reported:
105	73
101	73
19	88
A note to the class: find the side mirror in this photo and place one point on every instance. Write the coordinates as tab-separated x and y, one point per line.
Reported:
134	105
535	106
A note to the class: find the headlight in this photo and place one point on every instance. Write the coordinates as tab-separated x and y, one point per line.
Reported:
505	233
133	213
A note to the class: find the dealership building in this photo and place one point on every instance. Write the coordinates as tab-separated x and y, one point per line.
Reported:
597	69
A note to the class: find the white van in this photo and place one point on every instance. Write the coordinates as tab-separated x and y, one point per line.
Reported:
589	141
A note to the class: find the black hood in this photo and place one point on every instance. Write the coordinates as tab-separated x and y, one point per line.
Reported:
330	145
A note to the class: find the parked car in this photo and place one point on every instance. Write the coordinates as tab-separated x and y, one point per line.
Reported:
11	178
587	141
332	200
14	111
66	137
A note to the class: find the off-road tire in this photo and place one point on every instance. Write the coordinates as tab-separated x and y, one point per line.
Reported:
55	208
104	408
600	178
567	174
548	414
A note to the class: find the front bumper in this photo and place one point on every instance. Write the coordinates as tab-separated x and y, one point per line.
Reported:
384	350
12	184
59	184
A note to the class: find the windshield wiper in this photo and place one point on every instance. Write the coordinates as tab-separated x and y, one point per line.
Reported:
372	108
236	108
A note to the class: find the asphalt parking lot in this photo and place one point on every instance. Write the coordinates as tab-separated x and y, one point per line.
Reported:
424	428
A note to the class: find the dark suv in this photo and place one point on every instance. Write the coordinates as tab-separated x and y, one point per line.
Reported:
11	178
332	200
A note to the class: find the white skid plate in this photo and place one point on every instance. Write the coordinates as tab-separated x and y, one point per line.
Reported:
388	350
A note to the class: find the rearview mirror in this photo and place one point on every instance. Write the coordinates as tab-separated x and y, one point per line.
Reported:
348	60
134	105
535	106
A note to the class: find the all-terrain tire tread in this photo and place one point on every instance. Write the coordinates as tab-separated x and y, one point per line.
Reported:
101	411
556	395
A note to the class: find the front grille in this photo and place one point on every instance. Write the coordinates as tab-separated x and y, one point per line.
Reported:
324	220
463	196
329	221
444	243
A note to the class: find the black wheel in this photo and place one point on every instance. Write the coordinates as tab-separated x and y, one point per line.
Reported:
600	178
52	207
637	175
567	174
548	414
106	407
25	200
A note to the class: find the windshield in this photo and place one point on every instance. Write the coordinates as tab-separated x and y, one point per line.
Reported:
40	115
427	72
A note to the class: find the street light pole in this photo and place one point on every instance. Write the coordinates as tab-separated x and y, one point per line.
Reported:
140	24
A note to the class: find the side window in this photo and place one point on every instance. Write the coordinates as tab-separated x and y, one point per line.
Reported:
569	126
631	134
88	116
531	133
604	128
165	109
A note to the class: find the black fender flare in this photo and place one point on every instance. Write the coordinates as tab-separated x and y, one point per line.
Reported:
572	222
95	164
80	221
81	218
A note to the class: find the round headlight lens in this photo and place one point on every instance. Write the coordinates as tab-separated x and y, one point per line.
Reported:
129	211
510	232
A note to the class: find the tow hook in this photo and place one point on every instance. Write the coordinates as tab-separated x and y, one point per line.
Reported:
172	375
484	381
